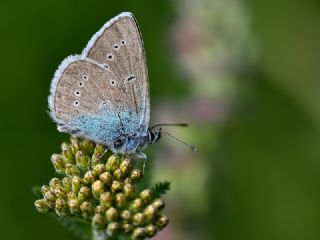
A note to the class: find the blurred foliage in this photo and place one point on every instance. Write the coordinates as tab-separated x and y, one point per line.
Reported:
259	164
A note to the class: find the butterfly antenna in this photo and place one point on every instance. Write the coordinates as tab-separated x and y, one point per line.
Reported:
170	124
180	141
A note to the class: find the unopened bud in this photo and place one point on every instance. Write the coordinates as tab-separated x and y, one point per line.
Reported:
97	188
112	163
41	206
106	178
106	199
112	214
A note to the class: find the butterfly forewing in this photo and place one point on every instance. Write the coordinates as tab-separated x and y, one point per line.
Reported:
119	47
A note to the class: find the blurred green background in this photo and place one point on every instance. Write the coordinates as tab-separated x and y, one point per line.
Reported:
244	74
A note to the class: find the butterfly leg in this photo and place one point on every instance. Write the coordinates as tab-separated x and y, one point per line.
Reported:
104	153
140	154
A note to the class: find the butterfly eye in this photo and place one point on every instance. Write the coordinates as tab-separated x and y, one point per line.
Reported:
105	65
116	46
77	93
110	56
76	103
80	84
123	42
85	77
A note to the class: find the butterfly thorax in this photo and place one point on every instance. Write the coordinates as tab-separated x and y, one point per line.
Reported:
131	144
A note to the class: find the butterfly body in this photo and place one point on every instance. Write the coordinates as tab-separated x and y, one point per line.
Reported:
103	94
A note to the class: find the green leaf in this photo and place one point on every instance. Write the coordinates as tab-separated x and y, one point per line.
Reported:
160	188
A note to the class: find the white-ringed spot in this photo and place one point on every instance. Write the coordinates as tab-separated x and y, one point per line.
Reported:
85	77
77	93
76	103
112	82
110	56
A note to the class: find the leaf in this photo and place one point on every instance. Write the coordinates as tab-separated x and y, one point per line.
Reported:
160	188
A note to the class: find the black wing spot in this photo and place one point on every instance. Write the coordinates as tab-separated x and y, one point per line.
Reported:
131	78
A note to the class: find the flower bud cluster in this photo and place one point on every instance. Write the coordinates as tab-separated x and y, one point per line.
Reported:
100	188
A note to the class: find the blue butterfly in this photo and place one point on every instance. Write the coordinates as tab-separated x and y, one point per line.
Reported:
103	94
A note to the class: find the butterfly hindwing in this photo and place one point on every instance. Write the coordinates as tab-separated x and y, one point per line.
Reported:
86	100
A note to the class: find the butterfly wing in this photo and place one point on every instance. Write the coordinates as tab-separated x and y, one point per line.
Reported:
87	100
118	45
104	94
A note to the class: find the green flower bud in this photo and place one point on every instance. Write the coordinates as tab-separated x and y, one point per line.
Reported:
66	183
84	193
126	216
126	166
71	195
74	144
128	191
87	146
97	188
120	200
127	228
139	233
112	214
149	213
41	206
146	196
158	204
67	152
113	228
162	221
106	199
106	178
61	207
97	155
136	205
117	174
74	206
128	180
58	163
55	182
138	219
151	230
100	209
71	170
116	186
98	169
45	189
89	177
98	221
86	209
59	191
136	175
50	198
82	160
76	183
112	163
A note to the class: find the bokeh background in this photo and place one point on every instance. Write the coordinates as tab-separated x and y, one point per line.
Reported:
244	74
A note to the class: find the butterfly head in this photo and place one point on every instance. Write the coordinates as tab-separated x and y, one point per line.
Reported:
154	135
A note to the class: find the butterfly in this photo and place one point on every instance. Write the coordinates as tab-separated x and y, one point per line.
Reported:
103	94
